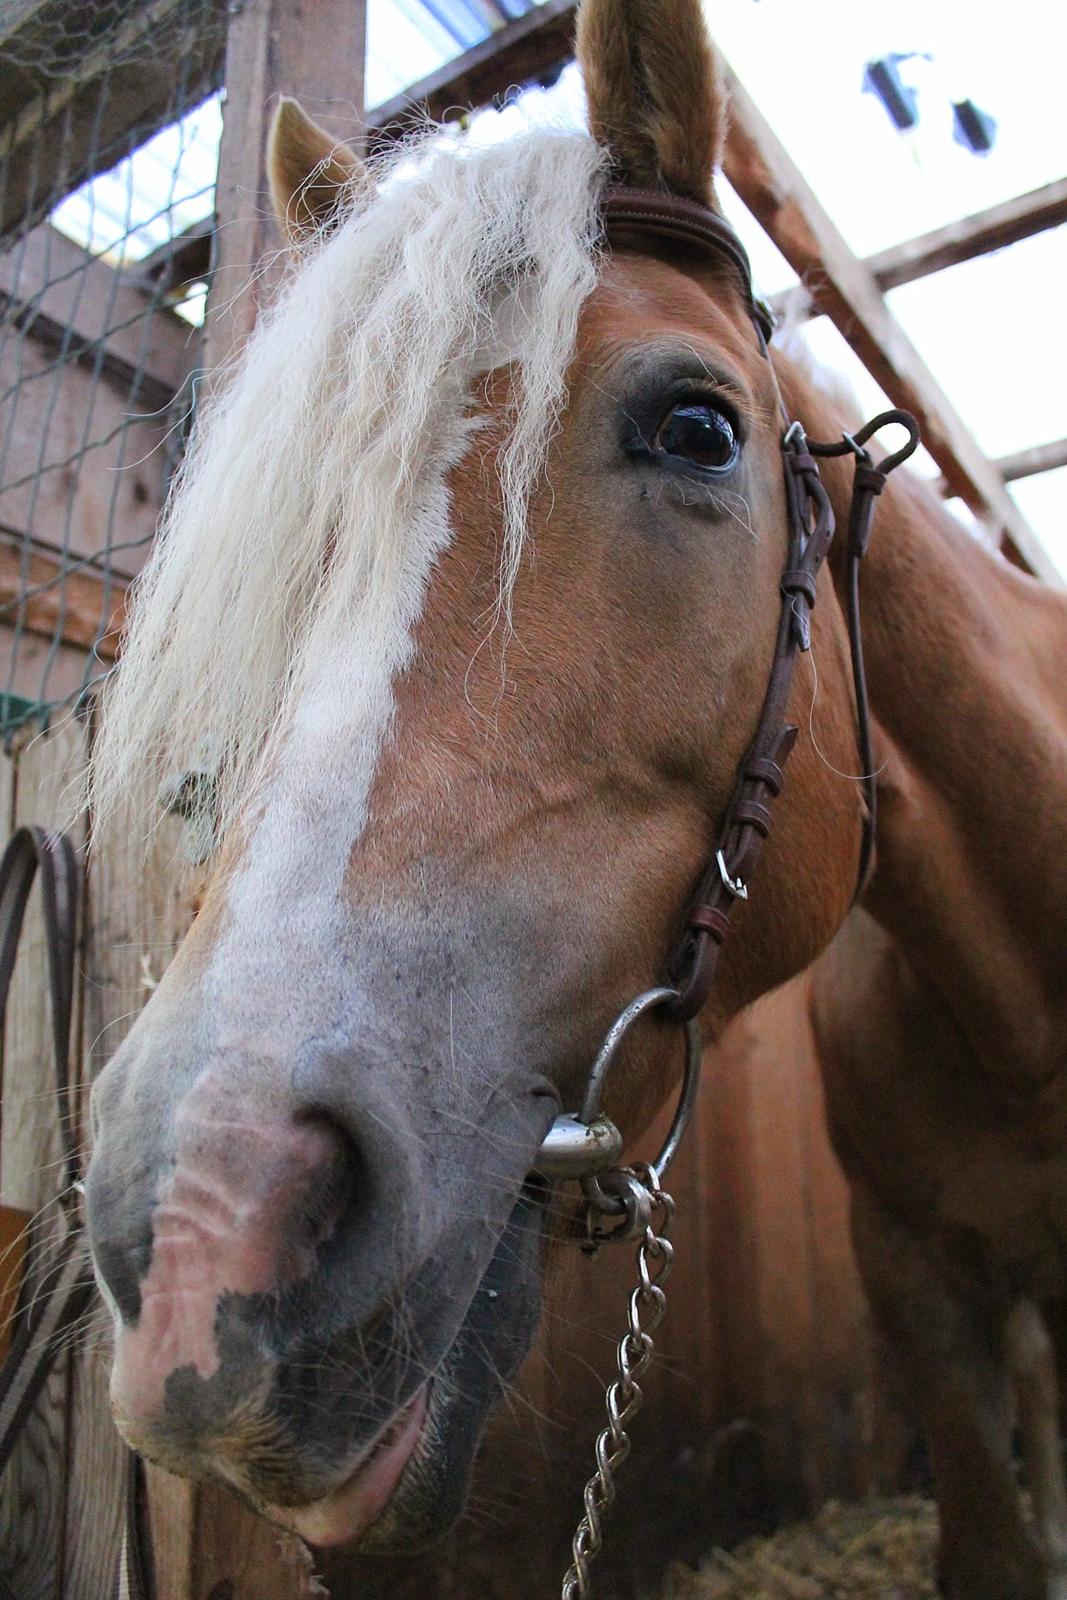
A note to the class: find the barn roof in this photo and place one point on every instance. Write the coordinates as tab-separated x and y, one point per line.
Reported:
976	323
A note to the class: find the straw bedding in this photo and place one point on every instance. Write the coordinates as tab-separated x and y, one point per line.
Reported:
882	1550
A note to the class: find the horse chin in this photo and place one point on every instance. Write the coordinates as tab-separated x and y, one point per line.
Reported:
410	1487
345	1515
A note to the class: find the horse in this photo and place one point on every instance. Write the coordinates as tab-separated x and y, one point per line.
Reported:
473	576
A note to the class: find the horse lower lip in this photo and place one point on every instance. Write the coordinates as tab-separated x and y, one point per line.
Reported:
346	1513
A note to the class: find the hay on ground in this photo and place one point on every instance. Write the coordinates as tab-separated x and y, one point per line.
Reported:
882	1550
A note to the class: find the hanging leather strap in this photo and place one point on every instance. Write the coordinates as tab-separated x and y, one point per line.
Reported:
867	484
29	850
137	1579
66	1286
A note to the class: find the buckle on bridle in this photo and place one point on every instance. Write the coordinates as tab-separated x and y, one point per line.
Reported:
857	449
736	886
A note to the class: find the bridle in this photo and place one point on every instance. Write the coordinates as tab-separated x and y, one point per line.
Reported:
586	1145
628	1201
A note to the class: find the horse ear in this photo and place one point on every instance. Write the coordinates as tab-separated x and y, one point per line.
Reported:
655	90
310	173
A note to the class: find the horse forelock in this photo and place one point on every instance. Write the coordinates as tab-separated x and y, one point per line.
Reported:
306	520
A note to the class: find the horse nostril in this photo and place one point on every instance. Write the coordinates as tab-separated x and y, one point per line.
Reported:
120	1266
336	1184
378	1200
245	1205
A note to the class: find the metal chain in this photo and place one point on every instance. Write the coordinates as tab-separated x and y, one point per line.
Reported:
655	1257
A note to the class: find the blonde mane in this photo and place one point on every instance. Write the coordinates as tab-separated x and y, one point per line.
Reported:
295	507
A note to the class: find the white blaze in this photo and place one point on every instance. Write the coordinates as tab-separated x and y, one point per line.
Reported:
286	918
281	599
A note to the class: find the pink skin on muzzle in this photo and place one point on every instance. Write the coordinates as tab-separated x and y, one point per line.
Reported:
223	1224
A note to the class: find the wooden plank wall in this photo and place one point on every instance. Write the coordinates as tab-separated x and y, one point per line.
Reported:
84	414
95	380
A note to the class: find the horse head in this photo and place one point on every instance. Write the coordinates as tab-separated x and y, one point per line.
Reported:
472	575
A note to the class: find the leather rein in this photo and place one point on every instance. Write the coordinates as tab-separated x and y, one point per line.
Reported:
748	817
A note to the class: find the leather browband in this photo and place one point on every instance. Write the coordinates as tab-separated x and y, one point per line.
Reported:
685	222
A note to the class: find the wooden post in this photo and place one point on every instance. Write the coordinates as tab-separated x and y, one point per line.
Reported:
312	49
138	910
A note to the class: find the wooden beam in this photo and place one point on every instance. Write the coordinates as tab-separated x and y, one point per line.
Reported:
1027	463
65	483
64	296
976	235
842	286
56	598
1000	225
313	49
170	268
71	349
514	55
58	131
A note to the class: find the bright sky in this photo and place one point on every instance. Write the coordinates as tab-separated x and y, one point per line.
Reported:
991	331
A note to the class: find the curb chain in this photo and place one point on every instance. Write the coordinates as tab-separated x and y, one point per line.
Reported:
624	1397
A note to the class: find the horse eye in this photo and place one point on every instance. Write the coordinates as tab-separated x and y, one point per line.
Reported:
699	432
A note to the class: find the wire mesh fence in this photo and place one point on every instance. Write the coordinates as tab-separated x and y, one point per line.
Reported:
108	144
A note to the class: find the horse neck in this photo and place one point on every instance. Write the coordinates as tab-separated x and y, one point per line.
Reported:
965	661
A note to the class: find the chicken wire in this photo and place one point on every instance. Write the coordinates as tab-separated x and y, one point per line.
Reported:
108	133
